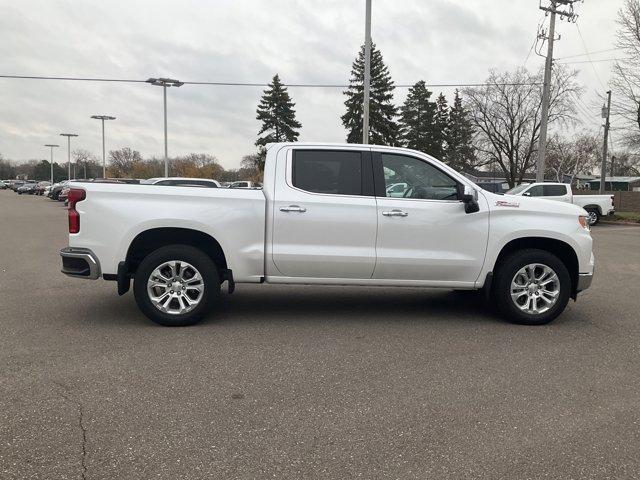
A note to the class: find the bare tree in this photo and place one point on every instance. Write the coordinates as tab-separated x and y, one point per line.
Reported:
123	161
624	164
572	157
626	73
506	114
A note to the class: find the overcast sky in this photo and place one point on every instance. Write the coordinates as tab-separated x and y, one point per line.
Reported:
310	41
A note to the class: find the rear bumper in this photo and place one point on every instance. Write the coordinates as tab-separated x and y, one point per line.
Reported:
80	263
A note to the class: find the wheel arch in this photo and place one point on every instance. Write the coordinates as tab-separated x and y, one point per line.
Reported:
595	207
560	249
154	238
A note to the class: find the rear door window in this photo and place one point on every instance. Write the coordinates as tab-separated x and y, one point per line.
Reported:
555	190
328	171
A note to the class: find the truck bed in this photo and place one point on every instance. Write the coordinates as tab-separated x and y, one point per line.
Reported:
112	215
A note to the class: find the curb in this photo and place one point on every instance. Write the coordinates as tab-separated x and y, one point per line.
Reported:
613	222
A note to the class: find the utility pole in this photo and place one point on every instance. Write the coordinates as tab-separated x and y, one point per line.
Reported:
52	147
104	158
613	161
164	83
606	112
367	74
68	135
552	9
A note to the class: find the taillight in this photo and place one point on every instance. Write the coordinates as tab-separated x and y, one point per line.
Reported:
613	198
74	196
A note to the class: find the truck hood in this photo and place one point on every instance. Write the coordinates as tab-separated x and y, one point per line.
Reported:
529	204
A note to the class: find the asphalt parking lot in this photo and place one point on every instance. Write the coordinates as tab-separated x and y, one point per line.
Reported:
310	382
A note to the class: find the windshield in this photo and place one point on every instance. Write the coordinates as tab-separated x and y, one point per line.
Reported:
517	190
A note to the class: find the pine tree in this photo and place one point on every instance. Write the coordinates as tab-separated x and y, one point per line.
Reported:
383	128
459	137
417	120
441	125
277	115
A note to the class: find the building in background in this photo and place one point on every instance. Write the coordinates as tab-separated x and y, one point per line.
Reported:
614	184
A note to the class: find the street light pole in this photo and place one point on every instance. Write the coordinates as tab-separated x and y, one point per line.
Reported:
367	74
52	146
606	114
69	135
104	158
164	83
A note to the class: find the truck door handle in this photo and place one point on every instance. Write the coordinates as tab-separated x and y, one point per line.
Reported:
293	208
395	213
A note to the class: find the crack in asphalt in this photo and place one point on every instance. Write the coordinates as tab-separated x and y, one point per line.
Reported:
66	395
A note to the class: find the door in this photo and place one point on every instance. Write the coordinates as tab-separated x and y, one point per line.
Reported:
324	215
425	234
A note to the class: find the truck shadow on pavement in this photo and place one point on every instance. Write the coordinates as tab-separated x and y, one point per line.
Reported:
251	303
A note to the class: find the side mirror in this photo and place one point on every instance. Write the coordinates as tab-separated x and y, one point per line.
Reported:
526	194
470	199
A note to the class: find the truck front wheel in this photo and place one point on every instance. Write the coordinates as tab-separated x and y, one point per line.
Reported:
532	287
176	285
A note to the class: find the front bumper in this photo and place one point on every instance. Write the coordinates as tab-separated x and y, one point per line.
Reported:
585	279
80	263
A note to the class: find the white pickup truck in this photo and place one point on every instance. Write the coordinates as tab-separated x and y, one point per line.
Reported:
595	205
326	216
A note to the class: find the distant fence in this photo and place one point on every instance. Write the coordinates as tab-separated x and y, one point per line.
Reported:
623	201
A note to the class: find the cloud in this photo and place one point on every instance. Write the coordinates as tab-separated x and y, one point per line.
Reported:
304	41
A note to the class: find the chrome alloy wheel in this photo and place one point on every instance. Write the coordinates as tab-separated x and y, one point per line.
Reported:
535	288
175	287
592	217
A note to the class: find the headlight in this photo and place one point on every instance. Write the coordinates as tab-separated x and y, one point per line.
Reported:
584	222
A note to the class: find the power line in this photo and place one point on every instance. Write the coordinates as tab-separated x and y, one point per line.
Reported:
257	84
588	53
27	77
596	61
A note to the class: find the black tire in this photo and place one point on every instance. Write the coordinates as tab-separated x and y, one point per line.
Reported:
594	217
185	253
506	271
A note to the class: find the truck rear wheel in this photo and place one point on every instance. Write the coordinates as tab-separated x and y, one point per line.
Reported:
176	285
532	287
594	217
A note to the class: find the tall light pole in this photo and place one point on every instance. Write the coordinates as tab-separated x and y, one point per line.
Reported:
606	114
69	135
104	158
367	74
164	83
50	145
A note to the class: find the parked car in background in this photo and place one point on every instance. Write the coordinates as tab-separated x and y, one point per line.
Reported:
3	185
56	189
28	188
40	187
16	184
397	189
244	184
182	182
325	218
596	205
